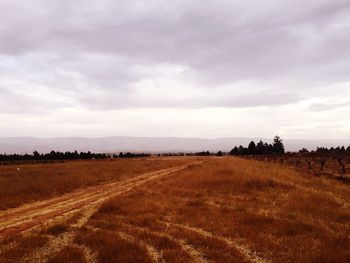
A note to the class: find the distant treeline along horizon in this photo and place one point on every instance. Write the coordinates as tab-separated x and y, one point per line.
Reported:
53	155
260	148
277	147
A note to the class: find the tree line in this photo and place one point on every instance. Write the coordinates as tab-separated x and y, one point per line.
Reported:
53	155
333	151
260	148
131	155
36	156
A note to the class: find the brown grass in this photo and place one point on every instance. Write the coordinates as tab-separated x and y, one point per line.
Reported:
38	181
68	255
282	215
222	210
23	245
56	229
113	248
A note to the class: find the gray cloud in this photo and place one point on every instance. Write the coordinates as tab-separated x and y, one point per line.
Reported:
328	106
13	102
92	53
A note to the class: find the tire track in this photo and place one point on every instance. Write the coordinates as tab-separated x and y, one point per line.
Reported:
189	250
23	218
154	254
249	254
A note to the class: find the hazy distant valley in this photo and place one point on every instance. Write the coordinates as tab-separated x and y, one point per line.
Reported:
145	144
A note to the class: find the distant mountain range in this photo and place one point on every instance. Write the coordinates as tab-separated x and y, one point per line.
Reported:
145	144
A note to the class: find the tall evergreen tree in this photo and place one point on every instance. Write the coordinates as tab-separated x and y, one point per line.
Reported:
277	145
252	148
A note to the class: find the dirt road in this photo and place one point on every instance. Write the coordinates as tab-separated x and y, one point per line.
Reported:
17	220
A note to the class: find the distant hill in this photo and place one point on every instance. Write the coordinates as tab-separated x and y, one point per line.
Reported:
145	144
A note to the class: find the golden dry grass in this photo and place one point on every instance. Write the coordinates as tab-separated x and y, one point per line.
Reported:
68	255
273	210
221	210
31	182
21	246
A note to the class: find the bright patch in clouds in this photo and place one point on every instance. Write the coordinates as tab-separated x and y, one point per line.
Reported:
178	68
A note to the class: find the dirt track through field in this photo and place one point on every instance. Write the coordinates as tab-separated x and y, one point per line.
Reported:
17	220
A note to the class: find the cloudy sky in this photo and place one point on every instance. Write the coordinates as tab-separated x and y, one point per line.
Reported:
183	68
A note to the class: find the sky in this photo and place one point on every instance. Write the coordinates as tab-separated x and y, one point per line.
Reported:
181	68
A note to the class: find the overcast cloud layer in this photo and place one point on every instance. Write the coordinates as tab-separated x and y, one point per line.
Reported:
175	68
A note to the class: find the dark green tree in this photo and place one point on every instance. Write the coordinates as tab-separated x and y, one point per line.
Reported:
277	145
260	148
36	155
252	148
234	151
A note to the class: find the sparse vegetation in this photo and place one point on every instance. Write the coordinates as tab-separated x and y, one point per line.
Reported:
335	165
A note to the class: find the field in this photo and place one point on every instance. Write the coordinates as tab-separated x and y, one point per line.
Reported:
333	166
23	183
178	209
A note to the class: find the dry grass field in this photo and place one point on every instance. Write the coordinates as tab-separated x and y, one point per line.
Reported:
336	166
21	183
201	210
